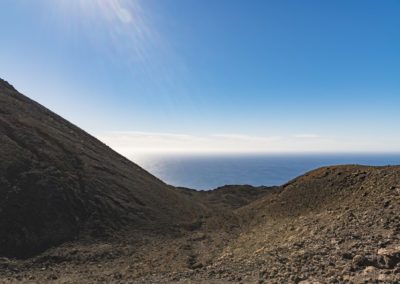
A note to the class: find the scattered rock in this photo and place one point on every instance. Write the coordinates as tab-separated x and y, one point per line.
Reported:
197	265
360	261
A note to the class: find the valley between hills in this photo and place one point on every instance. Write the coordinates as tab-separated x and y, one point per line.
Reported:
72	210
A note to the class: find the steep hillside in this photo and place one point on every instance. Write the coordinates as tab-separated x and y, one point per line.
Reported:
58	183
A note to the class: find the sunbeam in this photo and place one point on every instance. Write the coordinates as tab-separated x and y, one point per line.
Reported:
123	22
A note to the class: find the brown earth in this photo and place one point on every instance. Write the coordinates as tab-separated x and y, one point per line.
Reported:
72	211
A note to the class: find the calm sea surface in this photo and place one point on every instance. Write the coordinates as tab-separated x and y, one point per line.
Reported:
208	172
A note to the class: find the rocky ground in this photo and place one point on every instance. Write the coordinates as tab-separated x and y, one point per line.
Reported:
348	231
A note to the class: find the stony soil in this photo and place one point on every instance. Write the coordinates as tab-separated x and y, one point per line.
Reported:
348	231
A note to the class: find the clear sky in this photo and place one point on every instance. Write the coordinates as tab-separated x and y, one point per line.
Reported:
207	75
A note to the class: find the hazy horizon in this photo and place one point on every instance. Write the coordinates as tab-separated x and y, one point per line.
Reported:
205	172
222	77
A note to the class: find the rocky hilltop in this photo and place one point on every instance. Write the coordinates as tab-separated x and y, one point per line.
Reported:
73	210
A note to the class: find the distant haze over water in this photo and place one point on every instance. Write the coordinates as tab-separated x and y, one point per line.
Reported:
211	171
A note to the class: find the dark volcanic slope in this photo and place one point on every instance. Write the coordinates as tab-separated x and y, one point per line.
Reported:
57	182
229	197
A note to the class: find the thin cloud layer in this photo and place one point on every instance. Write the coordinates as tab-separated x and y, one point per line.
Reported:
134	142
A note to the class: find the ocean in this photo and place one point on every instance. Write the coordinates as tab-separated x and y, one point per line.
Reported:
204	172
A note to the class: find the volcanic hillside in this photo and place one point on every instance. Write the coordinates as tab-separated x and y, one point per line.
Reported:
58	183
83	213
334	224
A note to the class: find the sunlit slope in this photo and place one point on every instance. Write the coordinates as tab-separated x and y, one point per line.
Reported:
339	222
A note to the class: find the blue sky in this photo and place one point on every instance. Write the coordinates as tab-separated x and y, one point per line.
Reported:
190	75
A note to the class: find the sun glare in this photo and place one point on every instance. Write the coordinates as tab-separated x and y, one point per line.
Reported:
123	24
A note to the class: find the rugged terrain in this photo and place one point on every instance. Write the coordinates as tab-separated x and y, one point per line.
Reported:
72	211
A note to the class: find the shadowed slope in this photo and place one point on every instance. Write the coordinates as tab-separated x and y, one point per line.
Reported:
58	182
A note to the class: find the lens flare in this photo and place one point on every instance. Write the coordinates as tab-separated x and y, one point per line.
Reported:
124	32
123	22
